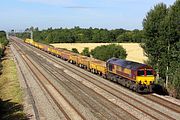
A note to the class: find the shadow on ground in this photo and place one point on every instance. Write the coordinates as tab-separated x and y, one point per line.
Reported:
158	89
11	111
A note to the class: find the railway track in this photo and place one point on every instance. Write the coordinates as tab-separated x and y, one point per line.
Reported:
164	102
42	78
167	104
76	85
31	97
96	102
113	91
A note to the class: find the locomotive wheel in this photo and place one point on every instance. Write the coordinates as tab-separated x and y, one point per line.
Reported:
150	88
136	88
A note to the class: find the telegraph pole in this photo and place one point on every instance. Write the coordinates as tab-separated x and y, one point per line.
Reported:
7	35
167	68
31	32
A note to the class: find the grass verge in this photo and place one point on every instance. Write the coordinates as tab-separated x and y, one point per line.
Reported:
11	107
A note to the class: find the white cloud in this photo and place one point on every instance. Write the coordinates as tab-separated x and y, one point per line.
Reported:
51	2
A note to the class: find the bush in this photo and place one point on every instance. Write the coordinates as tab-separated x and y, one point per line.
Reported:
106	52
3	42
74	50
1	52
86	52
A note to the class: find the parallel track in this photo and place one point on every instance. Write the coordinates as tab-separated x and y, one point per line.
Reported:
77	85
164	102
36	113
41	77
113	91
81	88
151	97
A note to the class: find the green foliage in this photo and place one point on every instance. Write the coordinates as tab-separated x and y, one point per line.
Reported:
81	35
3	42
153	46
106	52
1	52
162	42
74	50
86	52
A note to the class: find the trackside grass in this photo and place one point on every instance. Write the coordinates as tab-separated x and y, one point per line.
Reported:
11	107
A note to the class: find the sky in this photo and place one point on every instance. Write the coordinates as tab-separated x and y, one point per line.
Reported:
109	14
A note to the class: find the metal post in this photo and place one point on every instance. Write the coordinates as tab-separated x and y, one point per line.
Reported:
7	36
167	68
31	34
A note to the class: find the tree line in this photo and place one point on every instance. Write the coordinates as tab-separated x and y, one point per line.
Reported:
161	28
83	35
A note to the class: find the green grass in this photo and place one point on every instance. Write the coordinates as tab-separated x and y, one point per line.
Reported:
11	107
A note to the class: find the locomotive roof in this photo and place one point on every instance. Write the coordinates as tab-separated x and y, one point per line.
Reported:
126	63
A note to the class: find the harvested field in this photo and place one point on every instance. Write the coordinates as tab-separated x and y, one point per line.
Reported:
134	51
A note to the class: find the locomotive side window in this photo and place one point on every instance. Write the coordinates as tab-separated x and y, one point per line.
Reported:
149	72
110	67
140	73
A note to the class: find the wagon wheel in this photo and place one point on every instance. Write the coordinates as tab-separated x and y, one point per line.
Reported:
137	89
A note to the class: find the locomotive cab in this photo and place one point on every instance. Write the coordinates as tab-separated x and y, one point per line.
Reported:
145	77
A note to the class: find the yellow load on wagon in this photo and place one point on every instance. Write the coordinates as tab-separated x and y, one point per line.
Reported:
41	46
98	66
29	41
50	49
84	61
74	58
59	52
54	51
36	44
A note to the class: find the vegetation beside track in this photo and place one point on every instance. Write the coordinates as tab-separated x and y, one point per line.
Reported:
11	107
83	35
162	44
106	52
3	42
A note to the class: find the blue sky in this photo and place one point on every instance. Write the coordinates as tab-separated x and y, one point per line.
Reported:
110	14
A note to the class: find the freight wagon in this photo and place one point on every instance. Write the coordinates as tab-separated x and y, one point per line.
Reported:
98	67
136	76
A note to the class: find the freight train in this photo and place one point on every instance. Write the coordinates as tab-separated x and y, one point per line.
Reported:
135	76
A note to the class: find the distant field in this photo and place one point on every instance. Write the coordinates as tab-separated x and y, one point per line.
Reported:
134	51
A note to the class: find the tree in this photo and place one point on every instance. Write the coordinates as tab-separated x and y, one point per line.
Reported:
153	45
3	42
74	50
105	52
86	52
125	37
172	32
162	43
